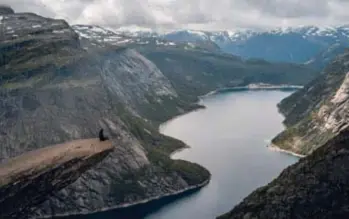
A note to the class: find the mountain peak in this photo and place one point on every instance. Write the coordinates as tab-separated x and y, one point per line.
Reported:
4	9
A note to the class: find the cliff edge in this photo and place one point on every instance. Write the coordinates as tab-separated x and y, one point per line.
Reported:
29	179
54	90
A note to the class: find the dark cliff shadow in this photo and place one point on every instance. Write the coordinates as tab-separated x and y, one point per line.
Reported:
135	212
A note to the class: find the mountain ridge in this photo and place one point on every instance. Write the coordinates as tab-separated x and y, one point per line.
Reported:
307	41
317	112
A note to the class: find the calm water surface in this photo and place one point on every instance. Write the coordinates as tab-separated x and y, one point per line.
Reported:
229	138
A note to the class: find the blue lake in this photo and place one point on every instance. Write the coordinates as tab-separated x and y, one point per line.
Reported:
229	138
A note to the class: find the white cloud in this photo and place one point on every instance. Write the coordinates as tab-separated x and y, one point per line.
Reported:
196	14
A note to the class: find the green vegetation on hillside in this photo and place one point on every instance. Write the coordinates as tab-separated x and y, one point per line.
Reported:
195	73
305	124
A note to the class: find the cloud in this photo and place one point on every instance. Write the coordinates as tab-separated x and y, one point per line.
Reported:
196	14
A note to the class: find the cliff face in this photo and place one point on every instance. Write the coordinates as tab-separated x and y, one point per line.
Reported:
57	86
192	69
28	180
315	187
32	45
317	112
53	91
201	70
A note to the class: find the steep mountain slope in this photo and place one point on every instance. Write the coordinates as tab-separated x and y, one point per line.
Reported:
315	187
318	111
200	70
297	45
29	179
58	85
204	70
197	37
53	91
104	36
327	56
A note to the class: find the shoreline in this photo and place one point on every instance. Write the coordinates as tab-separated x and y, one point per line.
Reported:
200	107
252	87
134	204
275	148
206	182
178	151
151	199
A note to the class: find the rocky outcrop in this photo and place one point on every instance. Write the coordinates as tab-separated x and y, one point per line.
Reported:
317	112
6	10
315	187
31	45
54	91
28	180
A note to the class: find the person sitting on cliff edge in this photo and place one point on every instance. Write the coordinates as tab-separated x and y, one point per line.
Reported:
101	136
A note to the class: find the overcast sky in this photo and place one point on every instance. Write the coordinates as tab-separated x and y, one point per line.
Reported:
191	14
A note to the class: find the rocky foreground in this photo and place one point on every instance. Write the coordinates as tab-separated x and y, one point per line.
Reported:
28	180
315	187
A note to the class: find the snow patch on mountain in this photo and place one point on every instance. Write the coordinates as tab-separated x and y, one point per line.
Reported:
242	35
198	33
101	35
342	93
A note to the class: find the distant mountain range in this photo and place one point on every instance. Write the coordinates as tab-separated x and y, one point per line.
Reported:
104	35
298	45
188	60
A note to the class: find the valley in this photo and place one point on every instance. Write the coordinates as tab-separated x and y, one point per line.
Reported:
214	95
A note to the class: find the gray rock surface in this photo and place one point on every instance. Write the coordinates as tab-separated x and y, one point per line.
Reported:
317	112
28	180
53	91
57	86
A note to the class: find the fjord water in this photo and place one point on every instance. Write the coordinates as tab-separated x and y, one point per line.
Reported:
229	138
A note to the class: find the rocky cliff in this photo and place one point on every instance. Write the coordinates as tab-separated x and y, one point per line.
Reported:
317	112
315	187
57	86
53	91
28	180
